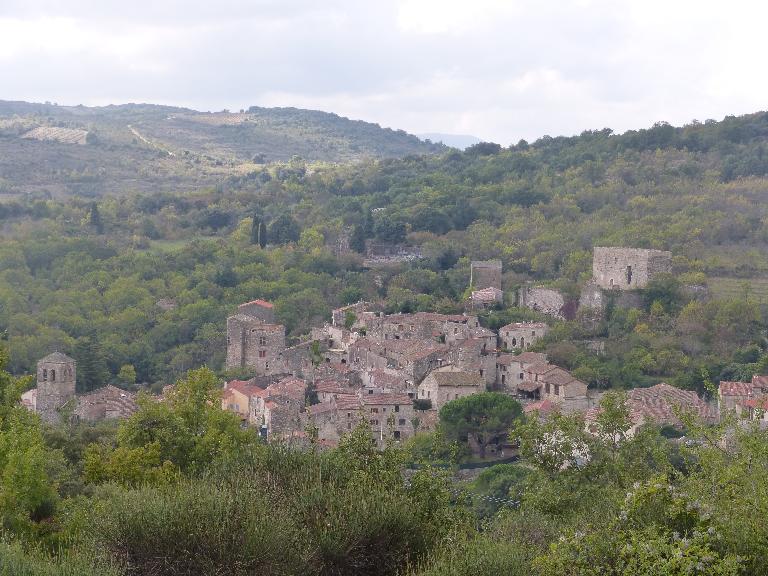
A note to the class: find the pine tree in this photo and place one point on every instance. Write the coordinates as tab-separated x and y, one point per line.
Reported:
92	371
357	240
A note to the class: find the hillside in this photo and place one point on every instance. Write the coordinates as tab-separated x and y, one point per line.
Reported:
138	147
74	270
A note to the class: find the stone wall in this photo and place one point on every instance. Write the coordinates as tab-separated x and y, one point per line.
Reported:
545	300
56	378
628	268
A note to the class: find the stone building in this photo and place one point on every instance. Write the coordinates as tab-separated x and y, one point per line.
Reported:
106	403
485	274
444	385
546	300
521	334
628	268
253	340
56	378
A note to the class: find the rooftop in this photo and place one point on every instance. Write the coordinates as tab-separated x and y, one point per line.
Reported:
259	302
57	358
458	379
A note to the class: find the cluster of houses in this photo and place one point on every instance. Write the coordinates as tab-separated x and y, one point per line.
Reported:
394	372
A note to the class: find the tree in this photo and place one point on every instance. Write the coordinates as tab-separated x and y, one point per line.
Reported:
92	371
284	229
95	219
185	433
487	417
357	239
258	231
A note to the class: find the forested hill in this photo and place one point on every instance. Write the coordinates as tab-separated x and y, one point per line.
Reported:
142	147
79	274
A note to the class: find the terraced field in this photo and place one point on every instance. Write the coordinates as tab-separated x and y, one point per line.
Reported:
756	288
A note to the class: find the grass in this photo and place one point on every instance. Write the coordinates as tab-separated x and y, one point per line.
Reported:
756	288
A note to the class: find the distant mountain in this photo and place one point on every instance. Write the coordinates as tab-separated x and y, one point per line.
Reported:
460	141
150	147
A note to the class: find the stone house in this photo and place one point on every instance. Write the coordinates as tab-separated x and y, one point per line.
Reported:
510	369
485	298
443	385
278	407
521	334
474	355
328	390
628	268
543	381
236	397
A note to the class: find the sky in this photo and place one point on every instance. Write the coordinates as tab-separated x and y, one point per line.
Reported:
500	70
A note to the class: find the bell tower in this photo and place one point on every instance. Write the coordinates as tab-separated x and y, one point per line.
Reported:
56	378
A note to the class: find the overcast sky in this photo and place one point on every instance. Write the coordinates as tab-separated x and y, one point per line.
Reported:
497	69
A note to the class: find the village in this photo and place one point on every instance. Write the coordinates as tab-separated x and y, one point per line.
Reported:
394	372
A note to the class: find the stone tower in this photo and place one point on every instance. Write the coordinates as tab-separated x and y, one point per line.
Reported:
485	274
56	377
628	268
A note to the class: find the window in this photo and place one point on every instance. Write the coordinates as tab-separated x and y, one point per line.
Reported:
514	342
503	378
521	376
401	422
397	408
629	274
262	340
45	375
262	353
481	371
374	410
229	340
349	426
546	388
374	422
370	391
266	365
557	390
397	434
456	397
429	394
533	332
53	375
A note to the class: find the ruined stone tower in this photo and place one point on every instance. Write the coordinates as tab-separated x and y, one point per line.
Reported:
485	274
56	378
628	268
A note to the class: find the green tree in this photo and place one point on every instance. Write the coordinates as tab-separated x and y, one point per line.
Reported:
284	230
486	417
92	371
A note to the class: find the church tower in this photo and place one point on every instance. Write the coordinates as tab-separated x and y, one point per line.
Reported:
56	379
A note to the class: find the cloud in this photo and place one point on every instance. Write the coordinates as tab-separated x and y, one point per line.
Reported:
500	69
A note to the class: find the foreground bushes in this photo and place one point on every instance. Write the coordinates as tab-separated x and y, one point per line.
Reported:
280	512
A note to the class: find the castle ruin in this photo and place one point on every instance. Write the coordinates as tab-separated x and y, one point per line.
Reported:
485	274
254	340
628	268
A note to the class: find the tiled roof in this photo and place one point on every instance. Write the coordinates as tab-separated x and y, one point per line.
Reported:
290	387
531	358
735	388
330	387
258	302
543	407
386	399
458	379
658	403
558	376
348	402
505	359
761	403
529	386
490	294
245	387
540	368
